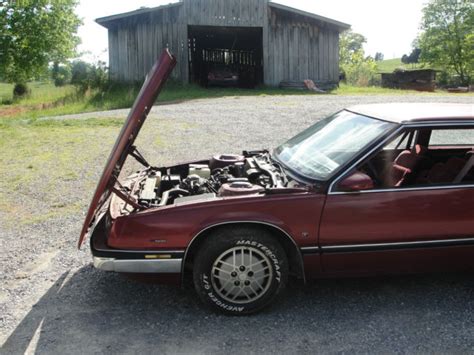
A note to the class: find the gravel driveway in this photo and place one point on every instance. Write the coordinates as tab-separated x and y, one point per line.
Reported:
53	301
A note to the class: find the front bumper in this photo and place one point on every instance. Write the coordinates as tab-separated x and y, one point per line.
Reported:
133	266
132	261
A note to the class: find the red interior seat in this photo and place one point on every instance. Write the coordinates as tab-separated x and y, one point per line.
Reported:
443	173
404	165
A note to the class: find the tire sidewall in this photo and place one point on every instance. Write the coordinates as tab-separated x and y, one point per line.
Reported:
218	245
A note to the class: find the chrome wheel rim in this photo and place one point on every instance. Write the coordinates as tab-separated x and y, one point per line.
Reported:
242	275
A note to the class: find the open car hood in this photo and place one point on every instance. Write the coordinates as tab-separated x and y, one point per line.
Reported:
124	144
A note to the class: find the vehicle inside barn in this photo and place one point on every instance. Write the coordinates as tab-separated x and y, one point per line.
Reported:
226	43
226	56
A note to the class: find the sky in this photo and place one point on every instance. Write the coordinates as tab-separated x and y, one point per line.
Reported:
390	26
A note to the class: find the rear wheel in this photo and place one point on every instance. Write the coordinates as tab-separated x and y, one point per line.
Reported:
240	270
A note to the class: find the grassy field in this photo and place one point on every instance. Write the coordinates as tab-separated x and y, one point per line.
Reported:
41	93
42	162
389	65
376	90
46	100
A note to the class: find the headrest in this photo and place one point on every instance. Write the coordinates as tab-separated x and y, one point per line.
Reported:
419	149
407	159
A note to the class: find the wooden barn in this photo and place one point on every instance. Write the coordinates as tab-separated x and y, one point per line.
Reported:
265	42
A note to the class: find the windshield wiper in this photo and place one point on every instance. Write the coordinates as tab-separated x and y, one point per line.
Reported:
278	162
294	174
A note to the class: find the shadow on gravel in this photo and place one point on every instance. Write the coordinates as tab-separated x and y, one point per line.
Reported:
95	312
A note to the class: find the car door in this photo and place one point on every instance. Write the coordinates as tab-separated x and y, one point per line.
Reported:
416	227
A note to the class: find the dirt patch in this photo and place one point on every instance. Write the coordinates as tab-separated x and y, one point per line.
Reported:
12	111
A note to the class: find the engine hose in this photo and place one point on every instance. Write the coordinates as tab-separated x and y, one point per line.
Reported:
170	193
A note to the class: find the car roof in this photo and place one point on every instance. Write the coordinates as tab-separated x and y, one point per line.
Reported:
416	112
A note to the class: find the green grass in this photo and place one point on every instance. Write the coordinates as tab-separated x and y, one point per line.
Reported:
5	92
47	101
193	92
66	101
45	164
41	94
389	65
376	90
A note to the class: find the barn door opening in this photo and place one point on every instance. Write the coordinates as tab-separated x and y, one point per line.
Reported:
225	56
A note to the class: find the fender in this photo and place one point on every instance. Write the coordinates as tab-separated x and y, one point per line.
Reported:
288	238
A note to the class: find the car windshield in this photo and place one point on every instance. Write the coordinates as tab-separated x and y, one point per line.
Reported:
318	152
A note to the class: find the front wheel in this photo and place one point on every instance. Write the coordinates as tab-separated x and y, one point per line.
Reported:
240	270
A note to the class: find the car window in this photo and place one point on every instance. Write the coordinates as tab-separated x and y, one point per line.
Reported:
403	141
318	152
451	163
452	137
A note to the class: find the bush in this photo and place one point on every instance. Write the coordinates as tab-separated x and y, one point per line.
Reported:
448	79
61	75
87	76
20	90
361	71
443	79
80	72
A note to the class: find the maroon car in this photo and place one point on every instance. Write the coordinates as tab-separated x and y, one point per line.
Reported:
370	190
222	75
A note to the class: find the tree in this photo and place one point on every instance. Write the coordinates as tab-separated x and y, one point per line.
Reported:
350	43
379	57
86	76
34	33
413	58
61	74
357	69
447	38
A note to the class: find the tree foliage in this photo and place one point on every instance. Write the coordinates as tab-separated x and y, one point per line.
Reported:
349	44
86	76
413	58
34	33
357	69
447	39
379	57
61	74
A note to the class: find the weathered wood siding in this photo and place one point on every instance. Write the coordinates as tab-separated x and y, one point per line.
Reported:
136	42
244	13
299	49
295	47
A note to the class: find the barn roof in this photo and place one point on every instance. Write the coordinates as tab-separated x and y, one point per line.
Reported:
110	20
341	25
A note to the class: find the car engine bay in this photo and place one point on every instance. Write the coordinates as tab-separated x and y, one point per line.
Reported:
222	176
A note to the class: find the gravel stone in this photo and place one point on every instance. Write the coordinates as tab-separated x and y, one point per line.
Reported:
53	301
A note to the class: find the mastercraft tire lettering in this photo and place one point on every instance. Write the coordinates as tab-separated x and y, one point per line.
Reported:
240	270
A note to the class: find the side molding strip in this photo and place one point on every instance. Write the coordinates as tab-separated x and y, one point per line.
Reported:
357	248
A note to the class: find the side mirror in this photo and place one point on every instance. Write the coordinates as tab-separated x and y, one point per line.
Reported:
356	182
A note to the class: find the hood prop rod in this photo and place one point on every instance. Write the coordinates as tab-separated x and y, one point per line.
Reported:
126	198
139	157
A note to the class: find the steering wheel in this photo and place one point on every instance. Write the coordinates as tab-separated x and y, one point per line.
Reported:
374	173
